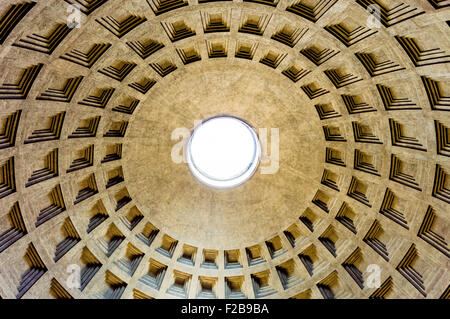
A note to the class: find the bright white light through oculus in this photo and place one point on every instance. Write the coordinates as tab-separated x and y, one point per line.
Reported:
223	152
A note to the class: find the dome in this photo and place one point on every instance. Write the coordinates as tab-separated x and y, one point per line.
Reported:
340	132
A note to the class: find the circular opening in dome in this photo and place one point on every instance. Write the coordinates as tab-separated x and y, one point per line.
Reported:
223	152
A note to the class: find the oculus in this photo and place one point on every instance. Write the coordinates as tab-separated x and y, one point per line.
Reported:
223	152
